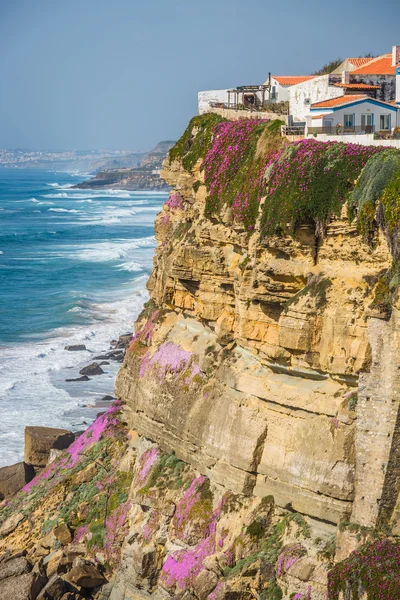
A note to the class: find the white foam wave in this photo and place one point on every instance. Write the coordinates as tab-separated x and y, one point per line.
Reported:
32	376
63	210
112	251
131	267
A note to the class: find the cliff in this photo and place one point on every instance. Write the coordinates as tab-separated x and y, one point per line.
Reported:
254	453
132	172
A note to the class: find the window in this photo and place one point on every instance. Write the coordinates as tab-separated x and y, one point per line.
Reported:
349	121
384	122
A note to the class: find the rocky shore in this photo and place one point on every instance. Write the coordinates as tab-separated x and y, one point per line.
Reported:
43	444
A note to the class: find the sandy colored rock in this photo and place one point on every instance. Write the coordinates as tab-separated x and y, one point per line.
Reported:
14	477
85	574
63	534
40	440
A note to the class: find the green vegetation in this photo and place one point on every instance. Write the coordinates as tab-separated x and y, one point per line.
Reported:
329	67
235	165
375	178
372	571
386	290
196	140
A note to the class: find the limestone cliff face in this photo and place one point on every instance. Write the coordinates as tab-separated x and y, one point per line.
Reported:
270	338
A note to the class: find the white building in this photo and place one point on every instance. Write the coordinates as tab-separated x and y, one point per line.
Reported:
374	77
352	114
281	84
206	98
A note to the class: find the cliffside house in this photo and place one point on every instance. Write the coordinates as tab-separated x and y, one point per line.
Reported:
373	79
281	84
351	113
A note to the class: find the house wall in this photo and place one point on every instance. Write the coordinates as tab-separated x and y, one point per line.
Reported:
204	99
315	90
363	140
387	83
282	91
236	115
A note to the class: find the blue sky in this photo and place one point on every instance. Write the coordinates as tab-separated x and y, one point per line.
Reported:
125	74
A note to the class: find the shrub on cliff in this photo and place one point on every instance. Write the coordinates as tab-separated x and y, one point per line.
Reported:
310	181
235	165
195	141
372	569
374	179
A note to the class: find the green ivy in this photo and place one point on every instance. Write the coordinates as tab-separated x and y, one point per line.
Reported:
195	141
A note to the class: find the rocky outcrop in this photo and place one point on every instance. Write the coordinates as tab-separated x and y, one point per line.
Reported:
39	441
278	333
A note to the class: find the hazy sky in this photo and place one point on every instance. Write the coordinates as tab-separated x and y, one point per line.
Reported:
124	74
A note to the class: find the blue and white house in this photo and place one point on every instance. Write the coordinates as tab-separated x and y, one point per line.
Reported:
352	114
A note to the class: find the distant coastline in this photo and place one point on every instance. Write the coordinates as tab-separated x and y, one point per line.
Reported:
142	173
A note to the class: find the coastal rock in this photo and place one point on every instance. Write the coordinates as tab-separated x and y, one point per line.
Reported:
13	567
63	534
83	378
22	587
10	524
39	441
14	477
124	340
76	348
92	369
54	589
85	574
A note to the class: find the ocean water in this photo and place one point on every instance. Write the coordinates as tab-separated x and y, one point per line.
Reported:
73	269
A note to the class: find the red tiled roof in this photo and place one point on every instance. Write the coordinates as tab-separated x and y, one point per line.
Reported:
359	62
292	79
318	116
381	65
358	86
332	102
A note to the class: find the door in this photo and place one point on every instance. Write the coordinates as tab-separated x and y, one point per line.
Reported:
327	125
366	122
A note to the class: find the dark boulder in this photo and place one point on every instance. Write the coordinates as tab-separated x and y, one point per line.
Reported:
14	477
76	348
92	369
83	378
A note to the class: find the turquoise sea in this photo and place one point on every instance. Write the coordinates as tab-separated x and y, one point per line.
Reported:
73	268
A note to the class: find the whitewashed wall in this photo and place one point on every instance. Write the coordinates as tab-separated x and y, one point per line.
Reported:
317	90
204	99
281	90
362	140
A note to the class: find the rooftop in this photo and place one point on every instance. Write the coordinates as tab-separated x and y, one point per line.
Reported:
381	65
292	79
341	100
360	61
349	99
358	86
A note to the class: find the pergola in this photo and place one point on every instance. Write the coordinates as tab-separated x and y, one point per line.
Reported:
249	95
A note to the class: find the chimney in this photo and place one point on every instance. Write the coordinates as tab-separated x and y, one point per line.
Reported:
345	76
395	56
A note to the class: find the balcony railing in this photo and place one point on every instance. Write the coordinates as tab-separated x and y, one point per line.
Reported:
340	130
293	130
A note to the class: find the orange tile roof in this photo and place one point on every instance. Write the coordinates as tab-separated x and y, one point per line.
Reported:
381	65
360	61
318	116
358	86
332	102
292	79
